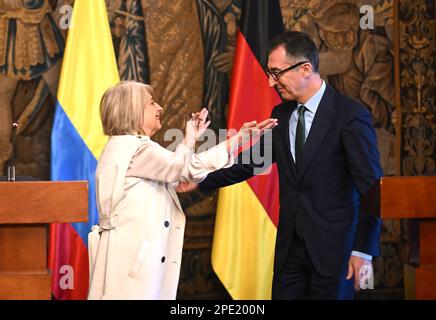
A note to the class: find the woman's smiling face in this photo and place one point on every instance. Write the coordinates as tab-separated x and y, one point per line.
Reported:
151	121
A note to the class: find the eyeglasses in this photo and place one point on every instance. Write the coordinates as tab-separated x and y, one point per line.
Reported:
276	74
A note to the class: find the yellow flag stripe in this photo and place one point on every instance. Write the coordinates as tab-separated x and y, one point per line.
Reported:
89	68
243	244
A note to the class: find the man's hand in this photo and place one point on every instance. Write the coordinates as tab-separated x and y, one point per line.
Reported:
355	267
186	187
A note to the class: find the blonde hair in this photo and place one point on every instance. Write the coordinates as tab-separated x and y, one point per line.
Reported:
122	107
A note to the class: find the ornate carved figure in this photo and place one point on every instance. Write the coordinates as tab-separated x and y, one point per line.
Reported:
31	45
357	62
130	40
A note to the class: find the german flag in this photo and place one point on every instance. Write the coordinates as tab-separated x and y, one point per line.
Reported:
247	213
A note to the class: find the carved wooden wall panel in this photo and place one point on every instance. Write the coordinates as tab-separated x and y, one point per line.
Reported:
417	34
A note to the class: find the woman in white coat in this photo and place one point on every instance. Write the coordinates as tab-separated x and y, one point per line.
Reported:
135	251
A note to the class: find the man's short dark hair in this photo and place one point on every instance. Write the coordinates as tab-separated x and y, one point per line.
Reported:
298	45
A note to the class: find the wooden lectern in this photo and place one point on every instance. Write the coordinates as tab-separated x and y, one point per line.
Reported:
26	209
411	198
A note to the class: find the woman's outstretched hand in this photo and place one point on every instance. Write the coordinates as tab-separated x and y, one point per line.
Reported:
248	132
253	130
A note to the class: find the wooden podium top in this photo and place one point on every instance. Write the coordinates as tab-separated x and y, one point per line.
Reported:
402	197
43	201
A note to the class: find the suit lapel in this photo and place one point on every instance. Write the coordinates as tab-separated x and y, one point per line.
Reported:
285	135
319	129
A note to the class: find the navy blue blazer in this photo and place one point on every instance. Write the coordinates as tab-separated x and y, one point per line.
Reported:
340	163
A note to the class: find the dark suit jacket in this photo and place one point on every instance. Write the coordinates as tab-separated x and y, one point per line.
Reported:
340	162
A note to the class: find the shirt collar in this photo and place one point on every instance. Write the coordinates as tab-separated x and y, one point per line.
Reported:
313	103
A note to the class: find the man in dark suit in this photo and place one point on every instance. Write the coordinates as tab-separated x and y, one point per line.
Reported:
326	153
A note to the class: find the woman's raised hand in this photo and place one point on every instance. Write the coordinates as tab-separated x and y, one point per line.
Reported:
201	125
195	127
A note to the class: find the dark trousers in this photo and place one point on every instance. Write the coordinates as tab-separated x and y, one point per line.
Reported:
300	280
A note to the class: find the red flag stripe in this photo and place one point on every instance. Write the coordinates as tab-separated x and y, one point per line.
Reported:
250	95
67	252
251	98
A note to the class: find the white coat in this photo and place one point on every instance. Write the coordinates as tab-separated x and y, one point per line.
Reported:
135	252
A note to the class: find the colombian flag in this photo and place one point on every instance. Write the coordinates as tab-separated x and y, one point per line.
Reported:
89	68
247	213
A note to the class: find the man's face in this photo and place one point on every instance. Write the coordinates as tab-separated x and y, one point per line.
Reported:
289	84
